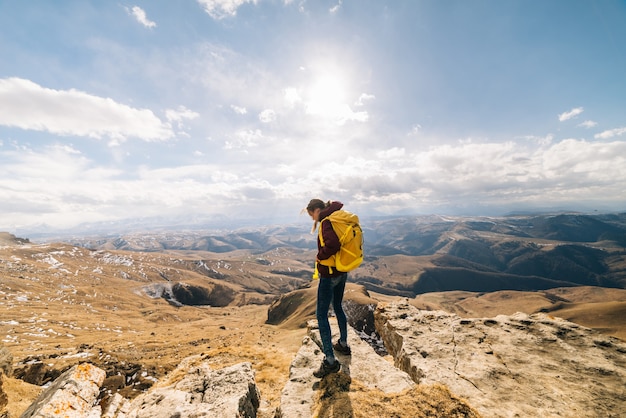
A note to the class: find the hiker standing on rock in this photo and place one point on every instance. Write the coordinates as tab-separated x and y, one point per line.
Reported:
332	283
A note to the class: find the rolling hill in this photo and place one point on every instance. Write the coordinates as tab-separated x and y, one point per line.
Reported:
443	253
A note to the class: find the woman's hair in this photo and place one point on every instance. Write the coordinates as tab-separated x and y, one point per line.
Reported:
315	204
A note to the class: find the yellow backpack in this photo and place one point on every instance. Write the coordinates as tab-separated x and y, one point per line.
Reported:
350	254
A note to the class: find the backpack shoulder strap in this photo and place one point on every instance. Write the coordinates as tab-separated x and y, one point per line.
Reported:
319	230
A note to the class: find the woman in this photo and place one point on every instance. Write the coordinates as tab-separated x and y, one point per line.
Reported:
331	286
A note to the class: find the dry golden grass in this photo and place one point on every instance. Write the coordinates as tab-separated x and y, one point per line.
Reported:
607	317
20	395
603	309
340	397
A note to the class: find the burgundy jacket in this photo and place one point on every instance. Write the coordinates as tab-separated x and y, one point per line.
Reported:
331	241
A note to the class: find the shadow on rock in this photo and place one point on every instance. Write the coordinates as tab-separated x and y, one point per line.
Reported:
334	399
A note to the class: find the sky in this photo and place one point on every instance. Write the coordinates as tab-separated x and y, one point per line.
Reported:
200	110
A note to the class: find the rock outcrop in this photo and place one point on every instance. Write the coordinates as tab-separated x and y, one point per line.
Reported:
192	391
364	365
440	365
202	392
298	396
372	371
73	394
509	366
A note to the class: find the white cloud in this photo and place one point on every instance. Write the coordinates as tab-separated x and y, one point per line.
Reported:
610	133
200	172
335	8
140	16
588	124
267	116
292	97
392	153
180	115
230	77
245	139
472	174
363	98
572	113
248	85
239	110
340	113
27	105
540	140
415	130
61	186
220	9
57	162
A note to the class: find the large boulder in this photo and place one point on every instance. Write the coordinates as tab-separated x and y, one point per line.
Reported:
508	366
202	392
72	395
192	390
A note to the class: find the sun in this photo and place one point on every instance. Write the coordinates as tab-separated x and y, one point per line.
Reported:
327	96
328	91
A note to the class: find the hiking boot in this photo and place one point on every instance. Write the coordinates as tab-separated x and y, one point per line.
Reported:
326	369
342	349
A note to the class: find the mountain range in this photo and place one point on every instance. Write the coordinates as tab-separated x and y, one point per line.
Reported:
136	304
436	253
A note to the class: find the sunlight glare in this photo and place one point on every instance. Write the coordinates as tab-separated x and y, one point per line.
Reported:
327	96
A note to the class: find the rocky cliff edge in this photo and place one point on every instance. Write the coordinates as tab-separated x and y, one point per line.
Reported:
439	365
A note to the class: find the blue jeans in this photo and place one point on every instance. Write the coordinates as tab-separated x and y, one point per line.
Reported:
331	290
